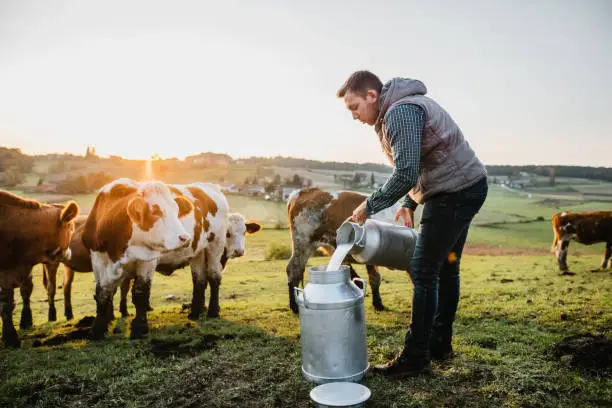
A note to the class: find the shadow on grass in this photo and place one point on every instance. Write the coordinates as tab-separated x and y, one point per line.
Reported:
213	362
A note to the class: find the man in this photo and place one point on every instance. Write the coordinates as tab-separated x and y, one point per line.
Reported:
435	166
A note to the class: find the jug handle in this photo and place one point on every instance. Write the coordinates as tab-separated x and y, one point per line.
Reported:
296	291
359	243
362	284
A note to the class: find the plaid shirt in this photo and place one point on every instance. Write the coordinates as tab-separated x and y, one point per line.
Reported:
404	128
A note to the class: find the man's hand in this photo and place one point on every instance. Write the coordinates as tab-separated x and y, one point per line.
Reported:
360	214
407	215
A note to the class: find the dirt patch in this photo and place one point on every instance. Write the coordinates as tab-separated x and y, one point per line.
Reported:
555	203
592	353
480	250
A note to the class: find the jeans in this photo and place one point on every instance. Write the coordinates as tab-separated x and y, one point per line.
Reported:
434	268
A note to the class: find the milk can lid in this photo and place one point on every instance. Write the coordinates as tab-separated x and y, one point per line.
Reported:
340	394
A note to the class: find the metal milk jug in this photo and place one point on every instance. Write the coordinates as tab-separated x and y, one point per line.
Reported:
332	327
379	243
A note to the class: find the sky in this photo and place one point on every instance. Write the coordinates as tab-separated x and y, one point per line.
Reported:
528	81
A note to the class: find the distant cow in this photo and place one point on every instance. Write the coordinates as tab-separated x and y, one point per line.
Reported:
585	227
30	233
314	216
130	227
226	235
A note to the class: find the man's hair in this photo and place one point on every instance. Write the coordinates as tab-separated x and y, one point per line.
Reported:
360	82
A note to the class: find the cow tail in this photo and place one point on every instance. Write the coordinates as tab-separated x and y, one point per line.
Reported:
555	226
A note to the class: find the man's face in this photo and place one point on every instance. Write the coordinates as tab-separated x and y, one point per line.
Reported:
363	109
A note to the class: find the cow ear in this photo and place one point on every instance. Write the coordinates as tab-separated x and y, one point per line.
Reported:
136	209
252	227
69	212
185	206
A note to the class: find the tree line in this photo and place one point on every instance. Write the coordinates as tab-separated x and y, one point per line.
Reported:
585	172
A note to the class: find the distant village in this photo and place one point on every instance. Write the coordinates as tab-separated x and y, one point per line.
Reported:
268	178
73	174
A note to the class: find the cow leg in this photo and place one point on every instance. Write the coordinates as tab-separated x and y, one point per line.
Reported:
67	288
199	278
141	292
213	304
7	305
375	279
49	282
354	275
26	289
104	304
302	251
607	255
562	255
108	277
125	288
214	271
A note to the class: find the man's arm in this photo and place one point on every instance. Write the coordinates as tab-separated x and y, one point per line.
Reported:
404	132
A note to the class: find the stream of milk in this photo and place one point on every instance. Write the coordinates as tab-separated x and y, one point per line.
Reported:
339	254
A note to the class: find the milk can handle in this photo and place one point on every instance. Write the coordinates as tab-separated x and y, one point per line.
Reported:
360	242
297	290
362	284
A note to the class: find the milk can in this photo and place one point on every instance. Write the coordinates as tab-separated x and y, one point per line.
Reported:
379	243
332	327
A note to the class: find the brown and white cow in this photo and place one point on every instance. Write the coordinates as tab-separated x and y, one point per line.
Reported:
584	227
30	233
314	216
130	227
226	240
214	205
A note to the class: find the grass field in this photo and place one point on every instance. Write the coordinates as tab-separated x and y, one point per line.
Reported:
514	308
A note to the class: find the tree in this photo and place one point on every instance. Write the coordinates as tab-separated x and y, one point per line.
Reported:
358	179
551	173
14	158
13	177
297	181
372	180
90	153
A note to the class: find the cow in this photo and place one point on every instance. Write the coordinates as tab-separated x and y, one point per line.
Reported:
584	227
314	216
226	240
30	233
80	261
130	227
234	239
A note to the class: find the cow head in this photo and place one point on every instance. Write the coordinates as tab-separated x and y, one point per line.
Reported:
237	228
155	217
58	246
